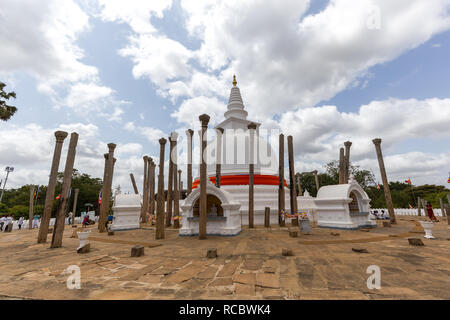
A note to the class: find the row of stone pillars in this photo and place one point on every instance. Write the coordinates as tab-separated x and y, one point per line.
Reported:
58	228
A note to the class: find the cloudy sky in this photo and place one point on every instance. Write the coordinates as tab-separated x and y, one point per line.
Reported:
131	72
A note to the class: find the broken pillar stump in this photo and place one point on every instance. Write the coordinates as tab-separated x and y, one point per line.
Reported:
335	234
85	249
293	234
211	253
415	242
386	224
74	226
137	251
267	217
110	233
287	252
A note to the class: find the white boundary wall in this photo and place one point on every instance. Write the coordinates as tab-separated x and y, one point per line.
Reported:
408	212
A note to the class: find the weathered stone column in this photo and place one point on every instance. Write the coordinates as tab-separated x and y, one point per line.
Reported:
50	196
387	191
180	183
31	208
281	195
133	182
267	217
176	185
204	119
251	205
347	145
441	203
292	179
58	229
342	166
219	138
299	183
419	204
144	206
448	198
106	190
316	178
189	134
152	186
75	200
447	212
170	187
424	205
160	204
149	186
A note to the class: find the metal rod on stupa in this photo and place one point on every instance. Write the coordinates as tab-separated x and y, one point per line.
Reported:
293	192
58	229
106	190
189	134
347	145
144	206
159	234
204	119
219	132
50	195
341	166
133	182
281	195
176	175
251	205
387	191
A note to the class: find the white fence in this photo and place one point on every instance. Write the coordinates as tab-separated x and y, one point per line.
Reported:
409	212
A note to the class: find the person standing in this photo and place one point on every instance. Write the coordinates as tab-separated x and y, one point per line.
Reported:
430	212
36	221
70	218
2	222
20	222
8	223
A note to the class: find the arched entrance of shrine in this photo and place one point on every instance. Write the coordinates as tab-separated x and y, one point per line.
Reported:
213	207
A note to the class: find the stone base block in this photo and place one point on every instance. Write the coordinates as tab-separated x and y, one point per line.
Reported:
110	233
293	234
137	251
211	253
386	224
85	249
287	252
415	242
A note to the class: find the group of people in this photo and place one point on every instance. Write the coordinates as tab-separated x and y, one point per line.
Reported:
385	216
6	222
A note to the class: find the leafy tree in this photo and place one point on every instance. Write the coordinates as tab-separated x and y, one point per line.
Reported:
6	111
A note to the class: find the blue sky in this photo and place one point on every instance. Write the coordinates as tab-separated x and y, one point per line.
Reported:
131	74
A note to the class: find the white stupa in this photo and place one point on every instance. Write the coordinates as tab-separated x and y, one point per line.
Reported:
234	155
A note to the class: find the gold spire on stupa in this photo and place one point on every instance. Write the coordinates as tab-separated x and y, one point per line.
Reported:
234	81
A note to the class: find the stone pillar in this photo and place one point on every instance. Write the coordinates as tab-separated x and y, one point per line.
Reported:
189	134
170	181
160	204
292	180
133	182
176	190
58	229
281	196
347	145
387	191
180	183
219	138
251	205
31	208
106	190
447	212
149	183
50	196
441	203
316	178
448	198
144	206
342	167
75	200
152	187
299	183
424	205
419	204
267	217
204	119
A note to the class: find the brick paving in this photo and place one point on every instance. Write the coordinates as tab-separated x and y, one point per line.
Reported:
249	266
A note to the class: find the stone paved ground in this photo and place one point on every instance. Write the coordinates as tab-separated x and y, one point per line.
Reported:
249	266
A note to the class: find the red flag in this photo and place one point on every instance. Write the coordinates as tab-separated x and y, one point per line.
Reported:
378	186
58	197
408	181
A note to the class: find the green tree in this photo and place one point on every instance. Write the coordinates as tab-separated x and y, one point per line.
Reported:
6	111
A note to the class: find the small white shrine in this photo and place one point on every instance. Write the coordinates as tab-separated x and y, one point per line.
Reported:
343	206
223	217
127	212
306	204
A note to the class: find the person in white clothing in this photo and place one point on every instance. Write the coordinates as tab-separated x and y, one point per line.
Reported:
20	222
2	222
